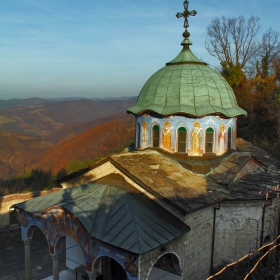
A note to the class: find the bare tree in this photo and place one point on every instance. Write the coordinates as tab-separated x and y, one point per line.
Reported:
268	53
233	40
251	65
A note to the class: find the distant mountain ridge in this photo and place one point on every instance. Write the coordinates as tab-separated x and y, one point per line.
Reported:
76	128
43	119
90	144
18	102
49	135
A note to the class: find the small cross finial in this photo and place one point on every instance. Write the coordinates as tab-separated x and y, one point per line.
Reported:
186	14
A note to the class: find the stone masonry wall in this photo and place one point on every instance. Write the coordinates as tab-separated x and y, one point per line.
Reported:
238	229
238	232
193	249
8	200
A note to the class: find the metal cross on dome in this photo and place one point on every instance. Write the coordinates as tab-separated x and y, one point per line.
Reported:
186	14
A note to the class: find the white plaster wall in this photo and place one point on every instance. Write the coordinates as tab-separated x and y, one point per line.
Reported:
74	255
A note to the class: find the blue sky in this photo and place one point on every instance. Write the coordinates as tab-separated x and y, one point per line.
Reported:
97	48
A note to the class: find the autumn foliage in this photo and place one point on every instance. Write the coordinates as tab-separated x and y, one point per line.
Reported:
251	66
91	144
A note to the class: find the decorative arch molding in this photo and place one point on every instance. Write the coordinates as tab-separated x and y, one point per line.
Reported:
155	139
182	139
58	244
57	223
28	233
209	139
168	134
165	267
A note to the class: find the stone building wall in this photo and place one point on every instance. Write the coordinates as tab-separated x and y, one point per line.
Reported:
192	249
239	226
237	232
8	200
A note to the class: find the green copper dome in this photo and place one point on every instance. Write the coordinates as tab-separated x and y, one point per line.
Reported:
187	86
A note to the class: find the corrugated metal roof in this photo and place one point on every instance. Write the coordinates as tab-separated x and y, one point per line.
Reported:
114	212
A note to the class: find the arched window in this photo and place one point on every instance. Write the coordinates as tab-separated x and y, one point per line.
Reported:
167	267
182	140
156	136
229	137
209	140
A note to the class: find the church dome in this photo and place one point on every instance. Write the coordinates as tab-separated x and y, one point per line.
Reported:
187	85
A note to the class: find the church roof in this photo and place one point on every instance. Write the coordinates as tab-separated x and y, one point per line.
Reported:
187	85
113	211
243	175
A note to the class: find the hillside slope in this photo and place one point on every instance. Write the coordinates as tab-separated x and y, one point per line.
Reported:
42	119
92	143
19	152
76	128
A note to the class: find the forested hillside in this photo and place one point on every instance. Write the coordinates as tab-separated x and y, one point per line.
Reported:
43	119
75	128
18	152
92	143
50	137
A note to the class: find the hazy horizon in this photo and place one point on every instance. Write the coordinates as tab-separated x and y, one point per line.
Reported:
93	49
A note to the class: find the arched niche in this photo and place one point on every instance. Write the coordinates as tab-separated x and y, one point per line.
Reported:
182	140
155	136
209	140
230	137
107	267
166	267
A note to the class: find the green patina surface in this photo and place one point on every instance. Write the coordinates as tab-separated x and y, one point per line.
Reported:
187	85
113	211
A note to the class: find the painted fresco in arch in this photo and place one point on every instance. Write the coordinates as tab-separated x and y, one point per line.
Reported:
167	136
195	132
57	223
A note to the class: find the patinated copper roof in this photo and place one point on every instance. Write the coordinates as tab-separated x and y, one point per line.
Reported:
113	211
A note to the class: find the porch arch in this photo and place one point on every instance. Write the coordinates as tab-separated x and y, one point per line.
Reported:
167	266
28	233
74	253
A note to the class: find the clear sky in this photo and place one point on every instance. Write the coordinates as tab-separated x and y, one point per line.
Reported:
99	48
